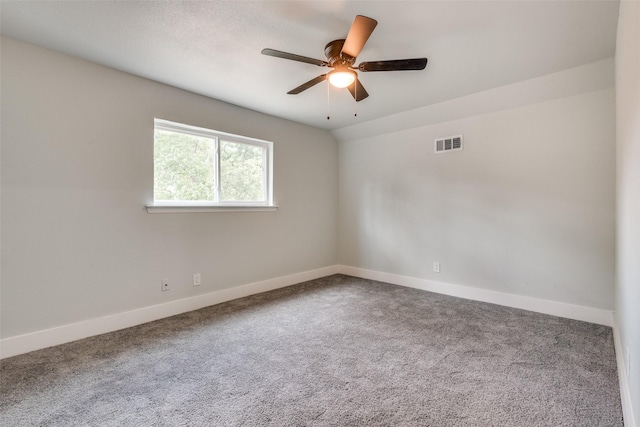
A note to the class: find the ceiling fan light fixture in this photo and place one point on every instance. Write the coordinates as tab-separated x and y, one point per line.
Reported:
342	78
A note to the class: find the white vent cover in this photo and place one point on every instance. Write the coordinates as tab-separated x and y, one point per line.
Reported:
449	143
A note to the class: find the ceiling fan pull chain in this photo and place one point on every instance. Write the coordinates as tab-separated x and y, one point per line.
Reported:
328	108
355	98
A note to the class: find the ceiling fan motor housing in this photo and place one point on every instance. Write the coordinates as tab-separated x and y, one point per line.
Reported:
333	52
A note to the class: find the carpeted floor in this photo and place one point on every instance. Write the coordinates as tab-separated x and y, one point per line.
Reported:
337	351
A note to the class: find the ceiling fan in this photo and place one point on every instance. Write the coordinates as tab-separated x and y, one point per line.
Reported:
341	55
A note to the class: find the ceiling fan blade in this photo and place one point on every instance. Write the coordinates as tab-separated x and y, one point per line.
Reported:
307	85
358	91
394	65
294	57
359	33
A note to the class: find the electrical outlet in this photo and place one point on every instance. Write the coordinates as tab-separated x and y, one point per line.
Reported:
164	285
196	279
436	267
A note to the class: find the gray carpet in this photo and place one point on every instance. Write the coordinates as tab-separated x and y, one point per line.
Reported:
337	351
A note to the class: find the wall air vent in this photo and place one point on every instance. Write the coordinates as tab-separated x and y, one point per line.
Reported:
449	143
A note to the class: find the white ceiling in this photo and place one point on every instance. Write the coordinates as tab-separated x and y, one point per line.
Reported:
213	47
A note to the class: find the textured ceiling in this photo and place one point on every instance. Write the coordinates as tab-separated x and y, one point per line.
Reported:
213	47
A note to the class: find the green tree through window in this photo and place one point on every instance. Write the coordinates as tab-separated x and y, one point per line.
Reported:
184	167
241	171
199	165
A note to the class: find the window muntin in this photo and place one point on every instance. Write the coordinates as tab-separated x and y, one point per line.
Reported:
202	167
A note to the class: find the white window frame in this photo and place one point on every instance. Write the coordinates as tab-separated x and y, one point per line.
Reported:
171	206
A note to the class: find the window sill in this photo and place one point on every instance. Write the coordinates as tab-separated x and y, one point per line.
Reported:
163	209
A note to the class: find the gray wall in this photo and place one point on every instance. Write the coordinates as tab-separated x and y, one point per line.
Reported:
77	171
628	194
526	208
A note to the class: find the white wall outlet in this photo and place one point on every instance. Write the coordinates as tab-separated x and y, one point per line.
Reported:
197	279
436	267
164	285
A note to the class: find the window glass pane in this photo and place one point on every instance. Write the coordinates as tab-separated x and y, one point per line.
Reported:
183	167
241	172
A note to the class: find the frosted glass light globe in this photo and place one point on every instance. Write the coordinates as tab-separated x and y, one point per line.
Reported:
342	78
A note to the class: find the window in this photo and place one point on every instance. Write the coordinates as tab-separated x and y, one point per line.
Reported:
197	167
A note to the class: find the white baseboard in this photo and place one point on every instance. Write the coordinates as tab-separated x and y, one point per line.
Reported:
560	309
20	344
62	334
625	396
